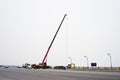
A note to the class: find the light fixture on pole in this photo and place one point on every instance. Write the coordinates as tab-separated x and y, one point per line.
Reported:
87	61
110	60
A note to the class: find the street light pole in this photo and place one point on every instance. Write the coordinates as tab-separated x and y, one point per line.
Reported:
87	61
110	60
70	59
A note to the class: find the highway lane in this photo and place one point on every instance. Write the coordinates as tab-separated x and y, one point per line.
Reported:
31	74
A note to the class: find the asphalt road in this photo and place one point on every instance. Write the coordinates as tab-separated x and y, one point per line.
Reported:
31	74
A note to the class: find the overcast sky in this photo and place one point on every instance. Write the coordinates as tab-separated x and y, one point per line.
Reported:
91	28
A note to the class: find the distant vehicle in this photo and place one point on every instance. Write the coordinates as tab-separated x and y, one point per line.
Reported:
27	66
3	66
19	67
6	67
60	67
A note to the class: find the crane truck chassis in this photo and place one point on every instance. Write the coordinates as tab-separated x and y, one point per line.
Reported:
43	65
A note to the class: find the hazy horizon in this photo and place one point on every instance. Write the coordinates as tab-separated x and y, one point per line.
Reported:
90	29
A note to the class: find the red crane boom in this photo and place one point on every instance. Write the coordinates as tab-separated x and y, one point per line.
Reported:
53	40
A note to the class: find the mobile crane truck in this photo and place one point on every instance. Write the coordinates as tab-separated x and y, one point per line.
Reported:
44	65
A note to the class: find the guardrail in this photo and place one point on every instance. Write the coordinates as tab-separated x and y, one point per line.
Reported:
96	68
